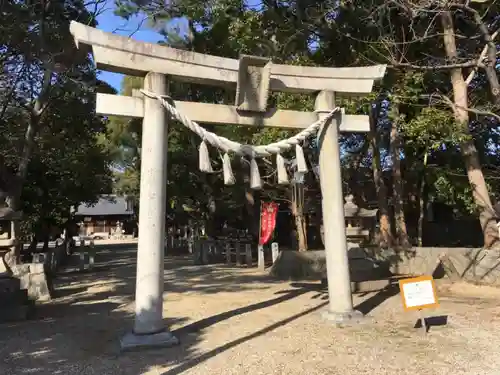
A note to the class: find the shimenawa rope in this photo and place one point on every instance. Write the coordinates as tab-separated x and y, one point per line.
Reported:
250	151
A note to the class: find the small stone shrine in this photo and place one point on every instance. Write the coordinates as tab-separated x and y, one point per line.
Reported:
360	222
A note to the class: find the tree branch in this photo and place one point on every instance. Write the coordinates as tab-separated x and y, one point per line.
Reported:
467	64
481	58
490	66
476	111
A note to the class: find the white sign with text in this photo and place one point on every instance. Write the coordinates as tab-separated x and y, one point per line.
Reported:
419	293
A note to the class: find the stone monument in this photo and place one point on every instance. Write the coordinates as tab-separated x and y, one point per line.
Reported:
253	78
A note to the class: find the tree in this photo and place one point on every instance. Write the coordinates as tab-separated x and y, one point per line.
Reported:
122	140
406	35
47	86
431	26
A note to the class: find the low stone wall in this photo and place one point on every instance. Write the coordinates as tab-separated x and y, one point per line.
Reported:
311	265
367	275
477	266
472	264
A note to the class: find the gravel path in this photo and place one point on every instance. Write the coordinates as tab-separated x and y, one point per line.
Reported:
235	321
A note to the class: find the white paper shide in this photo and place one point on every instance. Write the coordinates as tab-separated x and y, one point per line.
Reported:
419	293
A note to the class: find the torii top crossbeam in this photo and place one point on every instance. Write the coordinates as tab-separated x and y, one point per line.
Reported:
124	55
120	54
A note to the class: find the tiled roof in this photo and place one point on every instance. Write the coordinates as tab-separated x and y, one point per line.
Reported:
107	205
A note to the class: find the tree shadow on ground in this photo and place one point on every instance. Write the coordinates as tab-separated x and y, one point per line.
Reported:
80	329
370	304
365	307
197	359
185	333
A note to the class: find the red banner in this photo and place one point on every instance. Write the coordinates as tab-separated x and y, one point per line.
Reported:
268	213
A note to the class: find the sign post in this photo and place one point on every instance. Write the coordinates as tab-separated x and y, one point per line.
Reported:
419	293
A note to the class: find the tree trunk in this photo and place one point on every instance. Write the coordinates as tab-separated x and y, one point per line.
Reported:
395	148
212	224
300	225
355	175
13	256
383	205
252	203
298	214
422	202
252	208
467	147
14	197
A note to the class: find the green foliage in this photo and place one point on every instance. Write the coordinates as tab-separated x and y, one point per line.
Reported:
432	129
328	33
47	112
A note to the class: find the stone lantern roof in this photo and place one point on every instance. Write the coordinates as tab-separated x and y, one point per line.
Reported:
7	213
351	210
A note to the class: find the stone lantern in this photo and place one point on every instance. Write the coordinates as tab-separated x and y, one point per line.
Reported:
14	301
359	222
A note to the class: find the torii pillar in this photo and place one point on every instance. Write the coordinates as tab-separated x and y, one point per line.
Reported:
340	307
149	328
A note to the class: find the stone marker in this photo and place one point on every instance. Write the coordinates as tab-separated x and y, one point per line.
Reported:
261	264
275	251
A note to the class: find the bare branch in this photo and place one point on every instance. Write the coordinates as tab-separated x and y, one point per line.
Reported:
490	66
467	64
476	111
481	58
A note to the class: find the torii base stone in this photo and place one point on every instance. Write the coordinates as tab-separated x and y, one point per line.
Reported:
132	341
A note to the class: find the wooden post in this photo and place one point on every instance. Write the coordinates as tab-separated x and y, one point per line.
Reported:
82	259
248	255
340	306
149	328
228	252
91	255
198	249
422	321
237	246
205	248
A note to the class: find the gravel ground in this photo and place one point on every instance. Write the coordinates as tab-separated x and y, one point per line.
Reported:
236	321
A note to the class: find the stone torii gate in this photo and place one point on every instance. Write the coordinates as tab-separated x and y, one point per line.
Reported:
252	77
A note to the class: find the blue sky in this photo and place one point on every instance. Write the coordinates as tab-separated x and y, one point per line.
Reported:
111	23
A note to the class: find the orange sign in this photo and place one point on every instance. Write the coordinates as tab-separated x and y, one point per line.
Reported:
418	293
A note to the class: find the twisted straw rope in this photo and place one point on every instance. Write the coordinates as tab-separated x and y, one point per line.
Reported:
230	146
